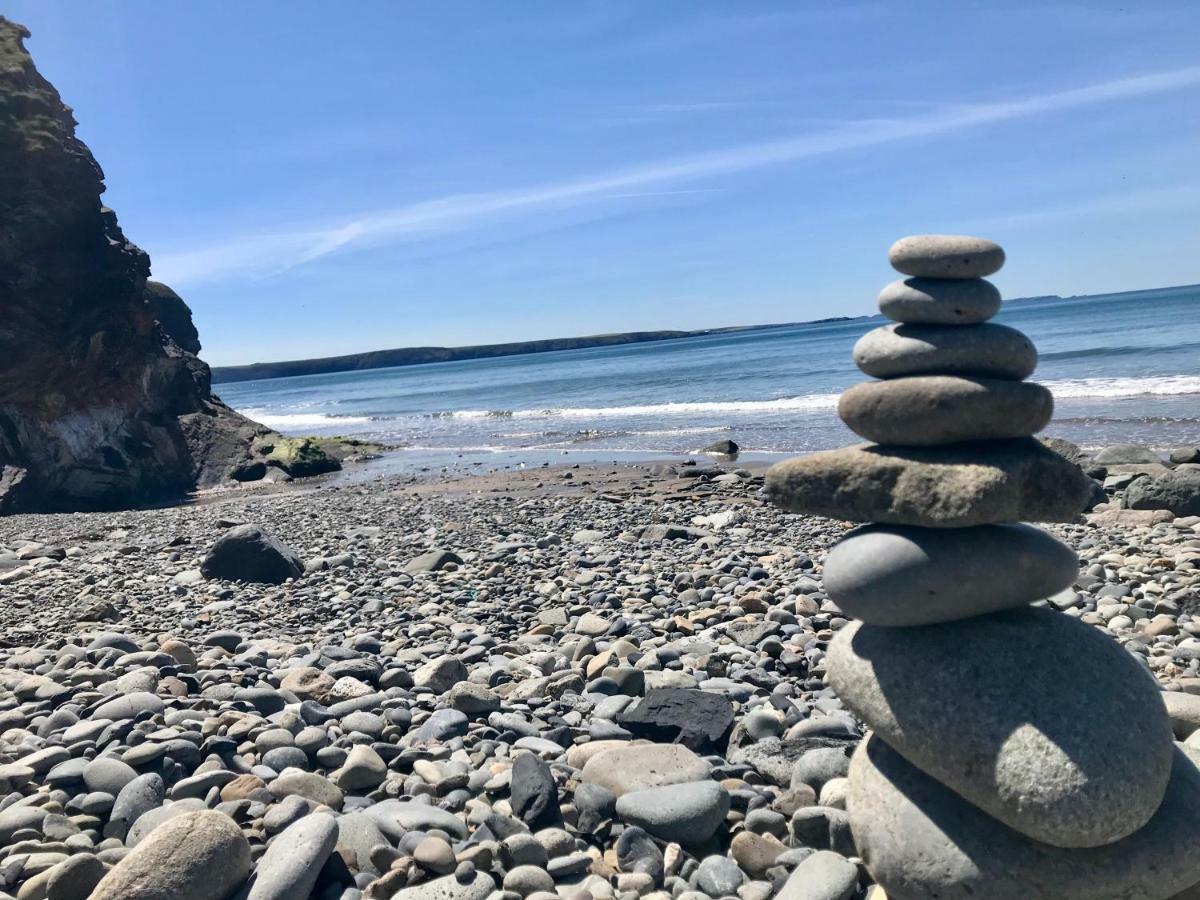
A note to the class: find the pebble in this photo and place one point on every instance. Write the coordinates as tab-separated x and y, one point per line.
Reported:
986	351
639	767
935	301
708	642
294	858
903	575
929	410
199	855
1046	760
923	840
946	256
687	813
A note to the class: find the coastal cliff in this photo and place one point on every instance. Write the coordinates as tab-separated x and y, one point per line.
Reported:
103	401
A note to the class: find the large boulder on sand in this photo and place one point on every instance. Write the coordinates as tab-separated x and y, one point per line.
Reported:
248	553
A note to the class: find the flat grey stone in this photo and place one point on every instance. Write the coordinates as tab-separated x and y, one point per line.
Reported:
901	575
936	301
294	858
719	876
357	836
137	798
108	774
145	824
823	876
196	856
639	767
297	782
1031	715
449	887
75	878
395	817
988	351
927	410
920	840
684	813
939	487
433	561
1126	454
128	706
946	256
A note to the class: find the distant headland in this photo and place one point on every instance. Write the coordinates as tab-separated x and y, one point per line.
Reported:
415	356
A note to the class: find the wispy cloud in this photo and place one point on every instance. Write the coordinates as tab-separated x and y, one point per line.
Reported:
271	253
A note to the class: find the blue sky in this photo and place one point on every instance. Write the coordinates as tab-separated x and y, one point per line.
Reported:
319	179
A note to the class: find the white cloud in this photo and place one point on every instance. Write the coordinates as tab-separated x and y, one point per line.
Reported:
271	253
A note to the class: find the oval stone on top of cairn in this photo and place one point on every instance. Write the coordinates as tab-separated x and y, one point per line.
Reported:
1041	735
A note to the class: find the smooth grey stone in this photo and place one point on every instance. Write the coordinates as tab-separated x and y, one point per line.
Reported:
75	878
920	840
294	859
636	852
19	818
988	351
639	767
824	875
1031	715
196	856
1126	454
819	765
433	561
395	817
946	256
526	880
594	804
309	785
442	725
684	813
148	821
357	836
128	706
286	812
719	876
1177	492
928	410
935	301
776	760
902	575
448	887
137	798
108	774
939	487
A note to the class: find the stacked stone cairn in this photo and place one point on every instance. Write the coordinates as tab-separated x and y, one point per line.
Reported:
1014	752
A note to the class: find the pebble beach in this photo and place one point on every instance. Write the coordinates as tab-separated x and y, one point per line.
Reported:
603	681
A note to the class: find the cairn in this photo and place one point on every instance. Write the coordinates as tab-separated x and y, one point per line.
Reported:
1016	753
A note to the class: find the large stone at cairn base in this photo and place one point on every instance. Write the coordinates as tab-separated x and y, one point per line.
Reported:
922	841
1036	718
939	487
901	575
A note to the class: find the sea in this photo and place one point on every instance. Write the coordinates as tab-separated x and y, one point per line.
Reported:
1122	367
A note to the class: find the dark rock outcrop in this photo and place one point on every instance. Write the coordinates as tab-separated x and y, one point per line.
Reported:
103	402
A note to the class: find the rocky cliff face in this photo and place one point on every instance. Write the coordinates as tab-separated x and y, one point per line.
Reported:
103	401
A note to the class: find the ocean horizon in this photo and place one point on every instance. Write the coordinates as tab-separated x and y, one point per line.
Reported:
1122	367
